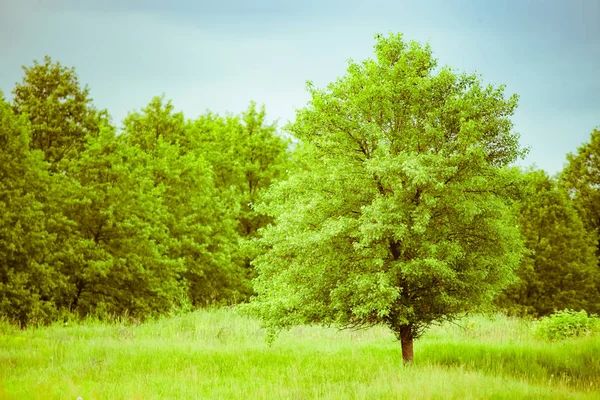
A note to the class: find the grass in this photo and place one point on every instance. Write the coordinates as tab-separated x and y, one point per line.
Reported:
219	354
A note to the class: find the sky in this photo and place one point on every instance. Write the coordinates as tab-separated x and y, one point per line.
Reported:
219	55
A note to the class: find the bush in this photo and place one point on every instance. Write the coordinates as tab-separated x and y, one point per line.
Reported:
566	324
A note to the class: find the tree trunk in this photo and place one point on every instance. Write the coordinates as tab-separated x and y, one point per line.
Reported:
406	339
79	285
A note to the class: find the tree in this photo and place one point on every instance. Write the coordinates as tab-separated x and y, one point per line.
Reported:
559	270
264	159
581	177
201	227
403	214
247	156
116	250
27	280
60	111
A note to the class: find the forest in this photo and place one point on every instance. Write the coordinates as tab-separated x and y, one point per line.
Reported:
393	199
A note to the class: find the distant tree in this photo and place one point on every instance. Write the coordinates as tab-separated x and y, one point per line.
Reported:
60	111
581	177
264	158
247	156
403	216
202	227
116	251
157	121
559	270
27	281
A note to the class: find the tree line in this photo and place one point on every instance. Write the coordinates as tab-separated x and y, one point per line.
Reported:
397	204
95	221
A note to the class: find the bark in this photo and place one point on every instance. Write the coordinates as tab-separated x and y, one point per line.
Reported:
406	339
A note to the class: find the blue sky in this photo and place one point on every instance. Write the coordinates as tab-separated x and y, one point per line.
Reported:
219	55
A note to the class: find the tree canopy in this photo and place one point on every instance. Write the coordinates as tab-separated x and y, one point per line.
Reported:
247	156
27	281
201	228
60	111
559	269
581	177
96	222
402	215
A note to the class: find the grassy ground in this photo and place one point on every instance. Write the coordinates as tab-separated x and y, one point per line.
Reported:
221	355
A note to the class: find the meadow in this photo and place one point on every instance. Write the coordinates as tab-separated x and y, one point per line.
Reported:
221	354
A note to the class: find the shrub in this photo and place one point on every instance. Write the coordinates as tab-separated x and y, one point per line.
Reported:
566	324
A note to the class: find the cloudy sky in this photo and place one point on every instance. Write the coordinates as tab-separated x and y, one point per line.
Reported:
218	55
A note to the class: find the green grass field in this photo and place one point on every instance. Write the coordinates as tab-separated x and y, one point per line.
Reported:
219	354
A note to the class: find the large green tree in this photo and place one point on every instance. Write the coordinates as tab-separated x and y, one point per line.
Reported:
559	269
403	216
27	280
115	251
59	109
202	227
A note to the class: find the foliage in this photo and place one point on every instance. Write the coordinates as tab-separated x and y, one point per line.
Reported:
403	215
201	228
27	281
247	156
581	177
559	270
96	223
567	324
397	207
116	253
60	111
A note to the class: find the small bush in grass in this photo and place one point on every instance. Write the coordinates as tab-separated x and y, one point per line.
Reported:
566	324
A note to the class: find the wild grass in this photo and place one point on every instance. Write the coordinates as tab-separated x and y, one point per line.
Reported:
219	354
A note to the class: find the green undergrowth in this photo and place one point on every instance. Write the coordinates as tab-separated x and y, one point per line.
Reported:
219	354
